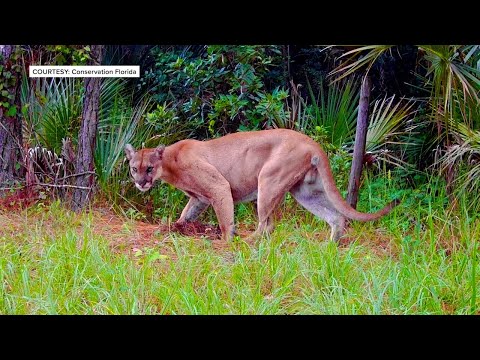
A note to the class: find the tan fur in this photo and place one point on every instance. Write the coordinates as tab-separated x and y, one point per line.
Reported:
262	165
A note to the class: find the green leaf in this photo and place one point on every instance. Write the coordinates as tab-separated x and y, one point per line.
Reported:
12	111
156	256
25	109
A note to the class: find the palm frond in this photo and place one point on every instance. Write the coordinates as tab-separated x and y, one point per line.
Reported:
117	128
464	157
454	83
335	109
361	57
388	130
54	109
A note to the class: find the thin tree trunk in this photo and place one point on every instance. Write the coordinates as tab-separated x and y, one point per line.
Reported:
87	136
11	140
360	140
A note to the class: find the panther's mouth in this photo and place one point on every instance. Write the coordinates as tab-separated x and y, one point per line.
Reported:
143	188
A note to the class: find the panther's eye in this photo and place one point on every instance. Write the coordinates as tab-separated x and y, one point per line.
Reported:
149	169
134	169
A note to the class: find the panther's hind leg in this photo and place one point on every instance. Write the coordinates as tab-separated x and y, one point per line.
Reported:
315	201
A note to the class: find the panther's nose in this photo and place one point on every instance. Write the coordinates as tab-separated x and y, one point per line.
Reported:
142	183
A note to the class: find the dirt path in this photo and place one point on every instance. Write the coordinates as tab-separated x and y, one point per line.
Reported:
131	235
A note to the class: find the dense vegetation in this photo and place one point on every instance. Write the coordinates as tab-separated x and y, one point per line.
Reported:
423	146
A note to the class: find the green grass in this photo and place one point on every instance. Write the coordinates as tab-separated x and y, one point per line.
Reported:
55	262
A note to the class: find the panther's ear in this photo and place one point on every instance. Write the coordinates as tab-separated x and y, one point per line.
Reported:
159	151
129	151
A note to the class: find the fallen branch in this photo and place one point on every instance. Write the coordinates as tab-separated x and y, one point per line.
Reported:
79	174
64	186
12	188
50	185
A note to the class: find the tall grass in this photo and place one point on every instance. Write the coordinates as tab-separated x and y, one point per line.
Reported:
422	261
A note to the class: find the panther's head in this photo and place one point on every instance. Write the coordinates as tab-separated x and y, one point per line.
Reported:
145	165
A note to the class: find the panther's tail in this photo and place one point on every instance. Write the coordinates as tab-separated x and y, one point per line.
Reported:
320	161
